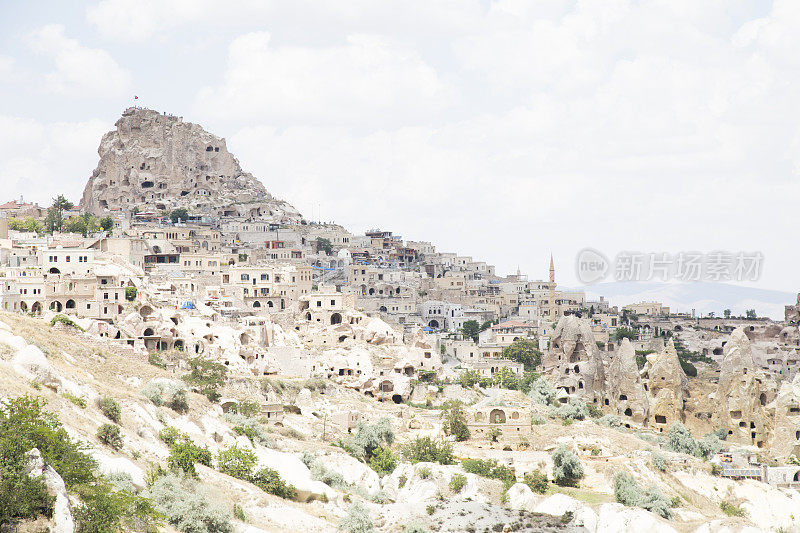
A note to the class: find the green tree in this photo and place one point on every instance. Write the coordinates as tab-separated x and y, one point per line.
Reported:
750	314
107	224
324	245
130	293
455	421
523	351
178	215
61	202
506	379
727	313
567	468
470	330
625	333
74	225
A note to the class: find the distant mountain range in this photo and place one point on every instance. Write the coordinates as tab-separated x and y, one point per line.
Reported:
704	297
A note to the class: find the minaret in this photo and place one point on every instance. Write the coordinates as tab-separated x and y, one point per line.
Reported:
552	289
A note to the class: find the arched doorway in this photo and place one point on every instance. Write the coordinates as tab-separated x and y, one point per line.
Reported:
70	304
497	416
434	324
54	270
336	318
36	308
56	306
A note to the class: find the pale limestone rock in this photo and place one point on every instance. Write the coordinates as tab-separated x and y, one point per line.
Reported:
618	518
625	390
557	505
155	161
574	363
62	514
352	470
667	387
742	394
520	496
786	441
31	363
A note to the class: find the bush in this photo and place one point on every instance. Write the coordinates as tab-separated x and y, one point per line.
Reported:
368	438
680	440
185	508
357	520
109	435
567	468
536	480
80	401
458	482
156	360
206	376
270	481
106	510
250	427
184	454
627	492
130	293
383	461
611	421
574	410
455	422
542	392
110	408
489	468
659	461
424	472
166	392
709	445
731	509
426	450
236	462
65	320
246	408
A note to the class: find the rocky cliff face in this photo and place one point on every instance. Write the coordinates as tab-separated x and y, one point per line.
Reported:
667	386
574	363
625	389
159	162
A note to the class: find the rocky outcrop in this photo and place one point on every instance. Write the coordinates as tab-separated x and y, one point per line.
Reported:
742	395
625	390
574	362
154	161
62	521
667	387
786	441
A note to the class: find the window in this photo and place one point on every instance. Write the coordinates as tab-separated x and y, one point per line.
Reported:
245	277
333	302
264	277
105	296
319	303
67	259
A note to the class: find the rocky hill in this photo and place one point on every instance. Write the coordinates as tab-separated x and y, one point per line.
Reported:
154	161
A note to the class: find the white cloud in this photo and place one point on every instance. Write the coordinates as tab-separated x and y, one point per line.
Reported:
42	160
78	70
367	78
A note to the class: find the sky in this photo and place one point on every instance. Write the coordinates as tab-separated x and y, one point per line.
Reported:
505	130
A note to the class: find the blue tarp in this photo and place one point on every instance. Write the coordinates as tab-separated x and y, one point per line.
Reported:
187	305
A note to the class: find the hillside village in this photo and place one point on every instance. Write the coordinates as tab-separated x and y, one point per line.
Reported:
384	382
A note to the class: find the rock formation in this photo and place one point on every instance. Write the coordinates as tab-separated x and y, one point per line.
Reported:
787	420
742	395
154	161
574	362
667	386
625	390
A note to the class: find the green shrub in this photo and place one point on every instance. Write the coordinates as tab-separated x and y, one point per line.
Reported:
171	436
401	481
426	450
627	492
252	428
536	480
80	401
490	468
611	421
567	468
178	402
458	482
538	420
709	445
65	320
383	461
184	454
156	360
424	472
659	461
185	508
110	435
206	376
236	462
357	520
455	421
680	439
238	513
23	497
246	408
110	408
574	410
542	392
270	481
731	509
107	510
130	293
415	527
368	438
166	392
